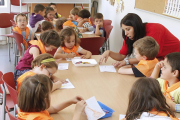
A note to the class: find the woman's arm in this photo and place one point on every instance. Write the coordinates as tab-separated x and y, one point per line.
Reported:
85	54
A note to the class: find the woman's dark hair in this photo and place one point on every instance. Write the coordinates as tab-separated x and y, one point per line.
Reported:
144	96
132	19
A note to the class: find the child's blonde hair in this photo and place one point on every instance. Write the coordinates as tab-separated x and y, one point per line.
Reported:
147	46
65	35
49	58
74	11
34	93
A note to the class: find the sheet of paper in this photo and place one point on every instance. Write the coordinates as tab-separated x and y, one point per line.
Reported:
93	110
70	59
121	116
67	85
38	34
63	66
107	68
88	32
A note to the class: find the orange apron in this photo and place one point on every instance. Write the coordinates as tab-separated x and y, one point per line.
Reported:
39	44
73	50
17	29
69	23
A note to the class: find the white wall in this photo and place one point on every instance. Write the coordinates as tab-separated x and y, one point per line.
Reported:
109	12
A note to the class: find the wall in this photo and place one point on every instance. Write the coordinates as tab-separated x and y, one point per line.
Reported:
109	12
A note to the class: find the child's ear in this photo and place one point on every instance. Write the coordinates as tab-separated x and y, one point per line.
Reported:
144	57
42	66
176	73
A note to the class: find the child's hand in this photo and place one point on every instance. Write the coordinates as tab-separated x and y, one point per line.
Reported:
82	30
83	57
58	60
159	65
86	20
119	63
76	99
71	55
80	106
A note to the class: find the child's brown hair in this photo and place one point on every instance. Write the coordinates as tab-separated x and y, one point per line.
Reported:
65	35
37	61
50	37
59	23
34	93
144	96
48	9
46	25
21	14
84	13
74	11
98	16
147	46
38	7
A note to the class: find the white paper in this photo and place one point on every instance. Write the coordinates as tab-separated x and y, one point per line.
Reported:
91	32
121	116
63	66
70	59
67	85
93	110
107	68
38	34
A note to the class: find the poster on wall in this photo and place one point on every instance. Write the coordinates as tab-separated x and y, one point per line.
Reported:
119	3
1	2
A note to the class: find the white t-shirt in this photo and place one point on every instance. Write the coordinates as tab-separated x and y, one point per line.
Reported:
148	116
34	29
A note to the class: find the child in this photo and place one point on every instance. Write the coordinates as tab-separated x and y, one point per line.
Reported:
43	64
147	101
46	25
21	28
37	18
53	5
145	50
169	78
34	100
70	45
98	26
49	40
49	14
84	20
59	24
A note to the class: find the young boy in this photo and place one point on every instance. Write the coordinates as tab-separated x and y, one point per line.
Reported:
145	50
53	5
98	26
21	28
37	18
46	25
84	20
169	78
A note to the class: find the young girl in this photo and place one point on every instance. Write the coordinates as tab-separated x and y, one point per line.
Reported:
147	101
70	45
34	100
46	25
49	40
43	64
49	14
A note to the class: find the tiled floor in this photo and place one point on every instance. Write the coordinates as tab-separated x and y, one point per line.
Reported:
5	66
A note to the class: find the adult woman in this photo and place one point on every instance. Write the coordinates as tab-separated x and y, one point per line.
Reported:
134	29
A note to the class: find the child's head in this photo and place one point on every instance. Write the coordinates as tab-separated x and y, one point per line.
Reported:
21	21
146	48
98	19
171	68
39	9
53	5
34	95
50	39
74	13
84	14
144	96
49	13
59	23
46	25
45	64
69	38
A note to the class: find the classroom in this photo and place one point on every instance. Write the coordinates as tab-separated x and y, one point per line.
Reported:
89	60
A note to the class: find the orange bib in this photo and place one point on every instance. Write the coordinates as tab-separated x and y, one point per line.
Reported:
21	78
73	50
17	29
39	44
69	23
170	89
43	115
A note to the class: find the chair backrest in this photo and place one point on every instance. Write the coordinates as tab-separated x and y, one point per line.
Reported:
13	23
19	39
1	82
5	20
108	29
52	52
106	22
8	79
15	2
92	44
10	115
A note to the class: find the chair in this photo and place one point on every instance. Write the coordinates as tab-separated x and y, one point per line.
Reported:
10	115
5	23
108	29
106	22
92	44
52	52
17	3
91	19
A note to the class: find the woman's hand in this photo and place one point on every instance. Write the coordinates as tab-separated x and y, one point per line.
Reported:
76	99
104	56
80	106
119	63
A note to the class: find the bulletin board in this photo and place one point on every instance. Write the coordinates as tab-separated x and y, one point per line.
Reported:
169	8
